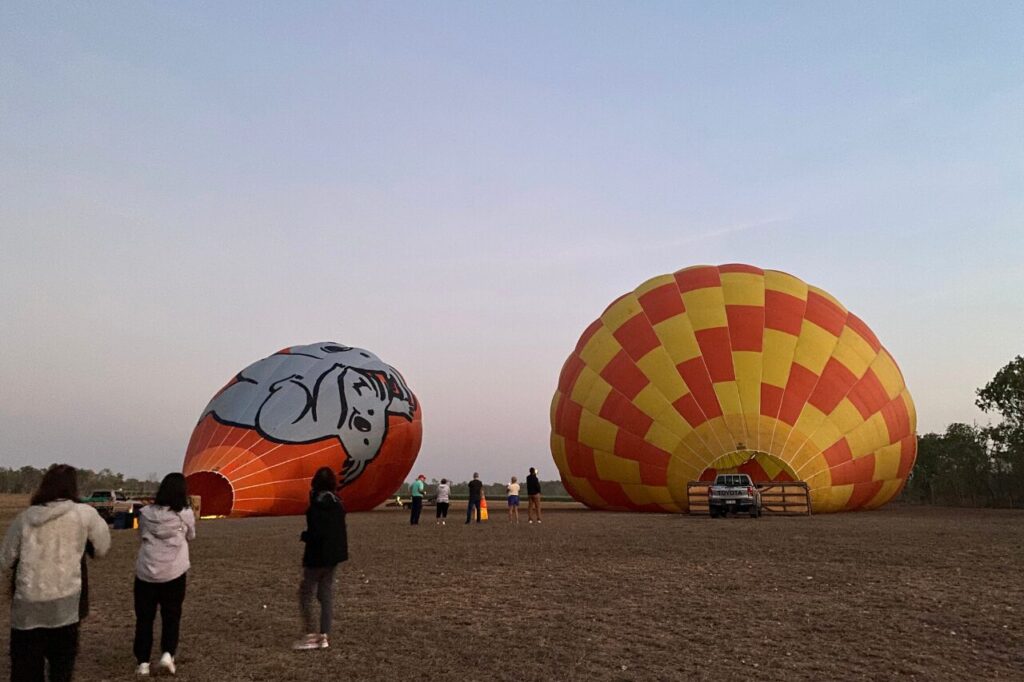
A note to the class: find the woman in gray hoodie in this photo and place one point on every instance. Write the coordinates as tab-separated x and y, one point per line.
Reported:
165	529
43	549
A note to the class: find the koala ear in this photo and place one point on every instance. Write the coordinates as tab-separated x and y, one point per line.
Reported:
400	406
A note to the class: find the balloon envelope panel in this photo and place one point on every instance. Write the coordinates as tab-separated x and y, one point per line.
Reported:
263	436
730	368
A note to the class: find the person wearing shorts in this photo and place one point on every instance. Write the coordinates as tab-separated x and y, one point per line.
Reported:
512	489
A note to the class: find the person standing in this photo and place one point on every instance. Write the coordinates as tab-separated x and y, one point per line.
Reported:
444	494
165	529
533	490
42	556
326	546
476	493
419	486
512	490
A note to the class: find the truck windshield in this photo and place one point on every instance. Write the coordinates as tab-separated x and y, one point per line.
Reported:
733	480
120	497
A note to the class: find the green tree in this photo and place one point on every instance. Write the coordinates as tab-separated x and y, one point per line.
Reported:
1004	395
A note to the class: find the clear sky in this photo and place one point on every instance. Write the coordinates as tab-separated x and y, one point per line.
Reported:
462	187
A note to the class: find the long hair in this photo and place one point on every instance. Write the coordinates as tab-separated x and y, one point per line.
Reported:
60	482
173	492
324	480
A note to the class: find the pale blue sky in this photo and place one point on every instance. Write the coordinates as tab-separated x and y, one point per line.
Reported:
462	187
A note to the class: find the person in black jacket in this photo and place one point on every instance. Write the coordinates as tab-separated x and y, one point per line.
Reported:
326	547
533	490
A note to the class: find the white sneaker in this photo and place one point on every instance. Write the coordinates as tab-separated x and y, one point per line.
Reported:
323	642
167	663
307	643
142	670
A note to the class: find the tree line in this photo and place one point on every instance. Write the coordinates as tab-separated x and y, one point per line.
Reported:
973	465
26	479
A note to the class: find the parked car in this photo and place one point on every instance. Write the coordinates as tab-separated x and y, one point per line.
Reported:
734	493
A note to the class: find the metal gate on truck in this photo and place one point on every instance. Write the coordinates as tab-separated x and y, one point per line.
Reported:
784	498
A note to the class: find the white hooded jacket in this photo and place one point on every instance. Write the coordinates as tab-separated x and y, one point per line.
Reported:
164	535
46	542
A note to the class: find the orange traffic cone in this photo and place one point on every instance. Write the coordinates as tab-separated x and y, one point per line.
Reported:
483	508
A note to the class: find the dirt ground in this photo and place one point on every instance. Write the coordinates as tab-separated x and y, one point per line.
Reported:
904	592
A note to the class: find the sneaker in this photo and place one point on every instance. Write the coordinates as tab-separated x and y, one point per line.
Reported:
167	663
142	670
310	641
323	642
444	523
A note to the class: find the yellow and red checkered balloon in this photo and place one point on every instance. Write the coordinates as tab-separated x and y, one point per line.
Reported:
730	368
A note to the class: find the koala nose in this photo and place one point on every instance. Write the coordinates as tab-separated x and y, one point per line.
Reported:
362	424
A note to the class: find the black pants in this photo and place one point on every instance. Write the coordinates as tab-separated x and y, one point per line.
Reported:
473	504
442	510
30	649
417	507
169	597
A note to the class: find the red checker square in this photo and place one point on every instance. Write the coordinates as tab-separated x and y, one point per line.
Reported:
570	372
897	419
612	493
628	445
689	409
698	278
868	395
695	374
637	337
653	474
567	418
857	325
798	388
740	267
716	349
580	459
625	414
783	312
623	375
908	453
837	454
746	326
855	471
654	455
662	303
771	400
862	494
825	314
835	382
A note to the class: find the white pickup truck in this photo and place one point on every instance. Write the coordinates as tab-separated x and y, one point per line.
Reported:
734	493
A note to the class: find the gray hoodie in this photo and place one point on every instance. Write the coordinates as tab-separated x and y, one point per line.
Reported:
164	535
47	542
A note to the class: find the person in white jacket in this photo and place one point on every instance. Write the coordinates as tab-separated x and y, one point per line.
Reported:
165	529
43	549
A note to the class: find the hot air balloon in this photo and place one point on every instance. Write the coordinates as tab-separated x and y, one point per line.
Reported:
730	369
263	436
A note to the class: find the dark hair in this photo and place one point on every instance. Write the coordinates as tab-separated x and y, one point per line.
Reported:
444	480
173	492
324	480
533	471
60	482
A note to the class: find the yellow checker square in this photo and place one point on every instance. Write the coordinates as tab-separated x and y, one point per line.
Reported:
821	478
702	447
659	369
747	366
660	437
728	397
612	468
586	492
705	308
598	393
600	349
555	404
777	357
815	347
867	437
785	283
676	336
828	297
887	463
908	400
835	498
581	388
743	288
888	374
621	311
644	494
558	451
596	432
854	354
846	416
810	419
650	401
674	422
826	435
654	283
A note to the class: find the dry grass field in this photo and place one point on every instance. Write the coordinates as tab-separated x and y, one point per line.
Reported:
916	593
